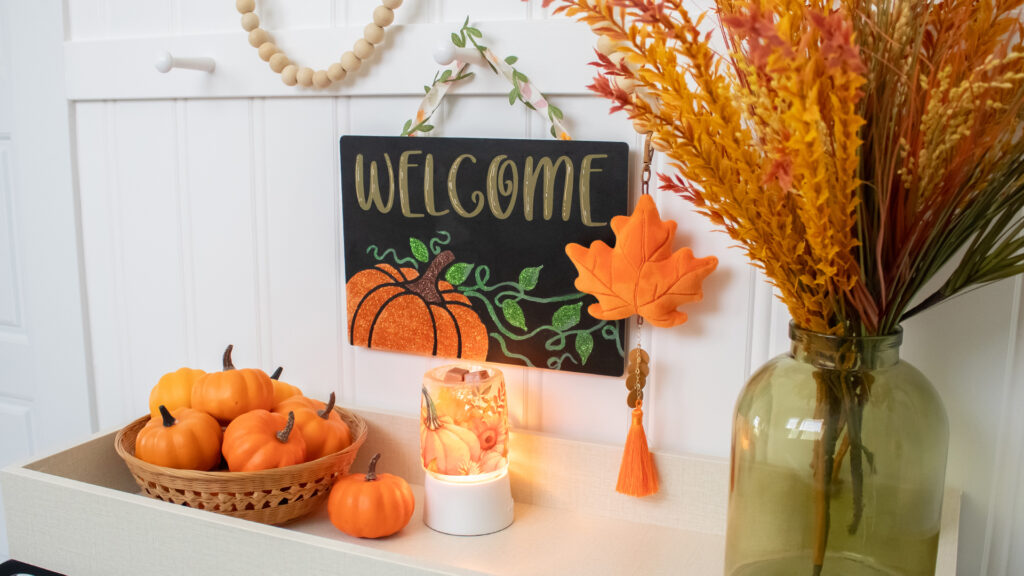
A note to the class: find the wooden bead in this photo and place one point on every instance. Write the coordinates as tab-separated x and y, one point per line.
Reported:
350	62
250	21
290	75
320	79
605	45
266	50
278	62
391	3
363	49
374	34
383	16
626	84
245	6
258	36
305	76
336	72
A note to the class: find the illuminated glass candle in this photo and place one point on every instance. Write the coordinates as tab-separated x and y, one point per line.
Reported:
464	444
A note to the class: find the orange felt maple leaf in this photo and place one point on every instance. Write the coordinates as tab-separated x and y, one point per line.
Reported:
641	275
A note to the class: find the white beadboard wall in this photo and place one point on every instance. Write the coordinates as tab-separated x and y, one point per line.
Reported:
208	221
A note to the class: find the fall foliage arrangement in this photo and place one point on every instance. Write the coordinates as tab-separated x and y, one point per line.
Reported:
852	152
858	151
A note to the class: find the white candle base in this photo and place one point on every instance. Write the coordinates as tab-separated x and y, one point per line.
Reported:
468	508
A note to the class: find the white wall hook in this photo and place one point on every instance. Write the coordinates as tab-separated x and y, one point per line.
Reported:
447	53
165	62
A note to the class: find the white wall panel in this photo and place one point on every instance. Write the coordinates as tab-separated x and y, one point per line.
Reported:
101	249
88	19
129	18
301	188
16	430
10	305
222	200
456	11
203	16
6	86
962	348
149	269
278	14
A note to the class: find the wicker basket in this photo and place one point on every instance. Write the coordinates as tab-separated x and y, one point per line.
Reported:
268	496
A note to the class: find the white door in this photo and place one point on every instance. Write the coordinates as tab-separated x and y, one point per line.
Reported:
44	391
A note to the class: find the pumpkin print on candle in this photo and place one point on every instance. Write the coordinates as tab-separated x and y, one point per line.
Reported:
398	309
464	430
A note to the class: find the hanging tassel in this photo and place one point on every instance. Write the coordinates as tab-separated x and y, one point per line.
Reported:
637	476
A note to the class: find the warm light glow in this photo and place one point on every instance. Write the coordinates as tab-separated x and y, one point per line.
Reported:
464	423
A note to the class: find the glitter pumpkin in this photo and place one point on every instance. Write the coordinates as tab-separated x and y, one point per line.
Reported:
400	310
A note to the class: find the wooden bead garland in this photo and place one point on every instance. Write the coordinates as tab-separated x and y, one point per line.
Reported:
292	74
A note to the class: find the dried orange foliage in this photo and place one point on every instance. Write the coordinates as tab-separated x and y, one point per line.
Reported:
641	275
851	152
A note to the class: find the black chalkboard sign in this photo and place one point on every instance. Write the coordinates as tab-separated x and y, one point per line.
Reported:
455	247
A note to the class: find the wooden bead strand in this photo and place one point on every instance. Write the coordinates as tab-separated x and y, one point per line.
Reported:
292	74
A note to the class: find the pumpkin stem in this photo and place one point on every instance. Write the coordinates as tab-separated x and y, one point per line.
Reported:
283	434
227	357
326	412
426	285
277	373
433	422
168	419
371	474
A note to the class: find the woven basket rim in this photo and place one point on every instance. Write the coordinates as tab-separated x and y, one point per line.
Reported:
312	467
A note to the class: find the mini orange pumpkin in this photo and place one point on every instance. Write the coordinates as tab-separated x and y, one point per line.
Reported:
447	448
185	438
261	440
174	390
370	506
392	309
323	430
231	393
282	390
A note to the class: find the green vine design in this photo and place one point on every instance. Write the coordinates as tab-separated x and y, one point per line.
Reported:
420	250
503	300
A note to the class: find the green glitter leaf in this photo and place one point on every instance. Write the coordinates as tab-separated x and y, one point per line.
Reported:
584	346
514	314
458	40
457	273
419	249
566	317
528	277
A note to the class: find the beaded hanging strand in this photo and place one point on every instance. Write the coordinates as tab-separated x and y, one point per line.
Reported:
291	73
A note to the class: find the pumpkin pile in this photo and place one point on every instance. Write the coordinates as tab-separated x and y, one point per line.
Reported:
266	423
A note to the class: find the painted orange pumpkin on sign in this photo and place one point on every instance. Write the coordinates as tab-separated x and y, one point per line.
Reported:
400	310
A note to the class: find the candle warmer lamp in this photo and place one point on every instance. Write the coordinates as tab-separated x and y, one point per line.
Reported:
464	450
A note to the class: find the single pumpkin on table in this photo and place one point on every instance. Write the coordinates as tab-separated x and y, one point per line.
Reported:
261	440
371	505
323	429
186	439
229	394
174	390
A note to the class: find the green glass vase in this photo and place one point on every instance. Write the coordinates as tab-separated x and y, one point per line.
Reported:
838	463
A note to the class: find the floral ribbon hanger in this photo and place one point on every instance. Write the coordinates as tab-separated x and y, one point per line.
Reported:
459	59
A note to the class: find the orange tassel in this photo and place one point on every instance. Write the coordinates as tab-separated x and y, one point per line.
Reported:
637	476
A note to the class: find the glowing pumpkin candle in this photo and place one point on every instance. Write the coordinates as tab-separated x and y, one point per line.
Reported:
464	450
